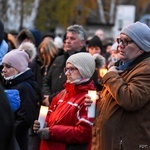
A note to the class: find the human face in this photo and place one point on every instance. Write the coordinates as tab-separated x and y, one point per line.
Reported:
72	42
72	73
94	50
128	50
108	48
8	71
100	34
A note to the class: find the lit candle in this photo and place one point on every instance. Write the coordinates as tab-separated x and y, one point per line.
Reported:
42	115
91	109
102	71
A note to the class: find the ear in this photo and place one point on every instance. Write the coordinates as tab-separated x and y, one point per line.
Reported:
83	43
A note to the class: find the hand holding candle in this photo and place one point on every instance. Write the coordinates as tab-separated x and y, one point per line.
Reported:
42	115
91	109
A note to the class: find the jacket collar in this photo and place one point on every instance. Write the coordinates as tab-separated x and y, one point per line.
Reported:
136	60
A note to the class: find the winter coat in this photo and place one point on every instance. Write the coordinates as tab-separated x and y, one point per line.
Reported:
123	121
6	123
69	126
39	74
53	82
25	115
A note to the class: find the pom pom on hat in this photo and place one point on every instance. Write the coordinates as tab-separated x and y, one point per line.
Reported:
139	33
18	58
29	48
100	61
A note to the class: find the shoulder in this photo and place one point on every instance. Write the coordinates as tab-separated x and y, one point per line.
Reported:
59	57
24	86
59	60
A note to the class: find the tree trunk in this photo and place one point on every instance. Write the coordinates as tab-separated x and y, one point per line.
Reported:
101	12
112	12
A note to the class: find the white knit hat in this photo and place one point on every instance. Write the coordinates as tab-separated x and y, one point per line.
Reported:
84	62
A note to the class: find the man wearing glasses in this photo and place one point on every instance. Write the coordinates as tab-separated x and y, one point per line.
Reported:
123	120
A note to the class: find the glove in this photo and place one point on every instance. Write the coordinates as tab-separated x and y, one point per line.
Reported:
44	134
114	69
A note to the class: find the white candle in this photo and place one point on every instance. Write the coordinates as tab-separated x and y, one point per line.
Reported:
91	109
42	115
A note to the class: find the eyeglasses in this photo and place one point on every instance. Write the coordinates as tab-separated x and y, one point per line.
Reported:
124	42
70	70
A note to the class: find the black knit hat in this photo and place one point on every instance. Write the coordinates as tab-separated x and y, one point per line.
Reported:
95	41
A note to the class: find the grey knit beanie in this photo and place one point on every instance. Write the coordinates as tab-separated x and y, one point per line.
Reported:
140	34
85	63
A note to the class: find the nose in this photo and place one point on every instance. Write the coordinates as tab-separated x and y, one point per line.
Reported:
67	40
121	45
67	72
4	69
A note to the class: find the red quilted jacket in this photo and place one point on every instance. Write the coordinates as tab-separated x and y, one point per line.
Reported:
67	119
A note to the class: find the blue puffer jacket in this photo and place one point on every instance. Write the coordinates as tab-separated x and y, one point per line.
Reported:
13	98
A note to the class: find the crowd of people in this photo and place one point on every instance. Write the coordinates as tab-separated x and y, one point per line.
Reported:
58	73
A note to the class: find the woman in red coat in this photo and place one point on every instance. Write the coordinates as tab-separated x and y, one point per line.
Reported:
67	124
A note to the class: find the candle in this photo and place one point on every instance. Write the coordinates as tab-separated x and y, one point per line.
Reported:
42	115
91	109
102	71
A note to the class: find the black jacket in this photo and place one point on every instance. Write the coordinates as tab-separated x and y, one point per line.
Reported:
6	123
26	113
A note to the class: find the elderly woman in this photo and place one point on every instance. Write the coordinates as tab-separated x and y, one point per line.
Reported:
67	123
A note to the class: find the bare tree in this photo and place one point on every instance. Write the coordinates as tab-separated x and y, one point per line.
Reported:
21	14
112	11
3	8
28	13
101	11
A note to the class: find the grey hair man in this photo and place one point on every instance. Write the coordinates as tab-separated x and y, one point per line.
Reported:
75	39
74	42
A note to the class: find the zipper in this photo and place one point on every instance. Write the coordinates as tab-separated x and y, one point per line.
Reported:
60	75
